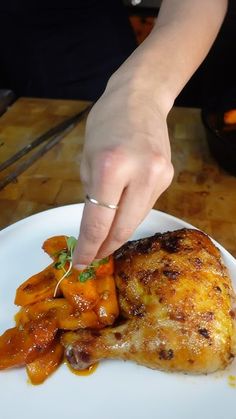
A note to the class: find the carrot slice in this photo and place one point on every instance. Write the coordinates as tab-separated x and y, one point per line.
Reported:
19	346
58	308
40	369
105	268
80	321
82	296
38	287
54	245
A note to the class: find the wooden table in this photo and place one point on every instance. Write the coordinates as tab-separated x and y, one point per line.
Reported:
201	193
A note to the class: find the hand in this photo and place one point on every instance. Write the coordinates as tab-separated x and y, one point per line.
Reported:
126	161
126	158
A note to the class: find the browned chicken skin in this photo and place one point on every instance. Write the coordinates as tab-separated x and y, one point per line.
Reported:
176	300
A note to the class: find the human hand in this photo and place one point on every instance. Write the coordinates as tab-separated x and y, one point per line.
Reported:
126	157
126	161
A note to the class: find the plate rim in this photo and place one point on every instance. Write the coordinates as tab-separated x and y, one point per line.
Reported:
81	205
187	383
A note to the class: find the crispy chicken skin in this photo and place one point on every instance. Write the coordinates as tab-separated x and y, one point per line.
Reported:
176	301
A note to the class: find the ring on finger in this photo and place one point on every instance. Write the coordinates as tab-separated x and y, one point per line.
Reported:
101	204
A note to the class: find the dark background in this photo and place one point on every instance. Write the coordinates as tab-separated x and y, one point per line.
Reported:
216	77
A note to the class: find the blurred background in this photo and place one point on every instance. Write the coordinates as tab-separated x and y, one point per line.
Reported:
39	44
216	77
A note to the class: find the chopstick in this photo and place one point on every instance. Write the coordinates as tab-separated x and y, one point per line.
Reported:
55	134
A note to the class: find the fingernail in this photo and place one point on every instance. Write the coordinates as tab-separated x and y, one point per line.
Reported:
80	267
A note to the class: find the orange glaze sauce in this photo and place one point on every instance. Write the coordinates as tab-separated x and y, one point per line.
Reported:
88	371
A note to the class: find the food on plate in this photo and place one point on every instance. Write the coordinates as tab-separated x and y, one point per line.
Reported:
165	302
21	345
43	366
56	299
38	287
177	304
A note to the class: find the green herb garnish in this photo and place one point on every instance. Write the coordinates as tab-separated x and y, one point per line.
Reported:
97	263
90	271
71	244
63	257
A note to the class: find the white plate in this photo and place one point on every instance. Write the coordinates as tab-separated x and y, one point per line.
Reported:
117	389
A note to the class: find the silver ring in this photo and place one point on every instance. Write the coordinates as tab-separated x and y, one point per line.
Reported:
101	204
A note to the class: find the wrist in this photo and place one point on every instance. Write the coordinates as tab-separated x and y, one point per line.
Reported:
135	79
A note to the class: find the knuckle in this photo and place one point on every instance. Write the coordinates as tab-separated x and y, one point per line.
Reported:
160	167
166	173
84	176
91	116
109	162
169	174
159	163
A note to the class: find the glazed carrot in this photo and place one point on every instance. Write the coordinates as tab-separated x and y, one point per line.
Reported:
83	296
88	319
40	369
59	308
105	268
21	345
107	308
54	245
65	315
11	343
87	300
37	287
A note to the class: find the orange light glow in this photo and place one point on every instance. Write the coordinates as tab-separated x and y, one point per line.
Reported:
230	117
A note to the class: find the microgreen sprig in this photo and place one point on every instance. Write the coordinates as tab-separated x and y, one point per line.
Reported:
90	271
65	256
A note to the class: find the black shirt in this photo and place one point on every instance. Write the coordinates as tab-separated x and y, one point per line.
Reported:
62	48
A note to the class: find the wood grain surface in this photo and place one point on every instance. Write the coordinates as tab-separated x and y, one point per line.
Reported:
201	193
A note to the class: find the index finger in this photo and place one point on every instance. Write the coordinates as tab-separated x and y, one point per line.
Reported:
95	226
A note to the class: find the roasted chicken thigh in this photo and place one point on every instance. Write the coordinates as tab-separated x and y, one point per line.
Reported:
176	302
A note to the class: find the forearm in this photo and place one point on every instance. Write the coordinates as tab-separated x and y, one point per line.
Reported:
184	32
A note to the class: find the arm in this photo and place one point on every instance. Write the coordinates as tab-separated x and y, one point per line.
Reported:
184	32
127	157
